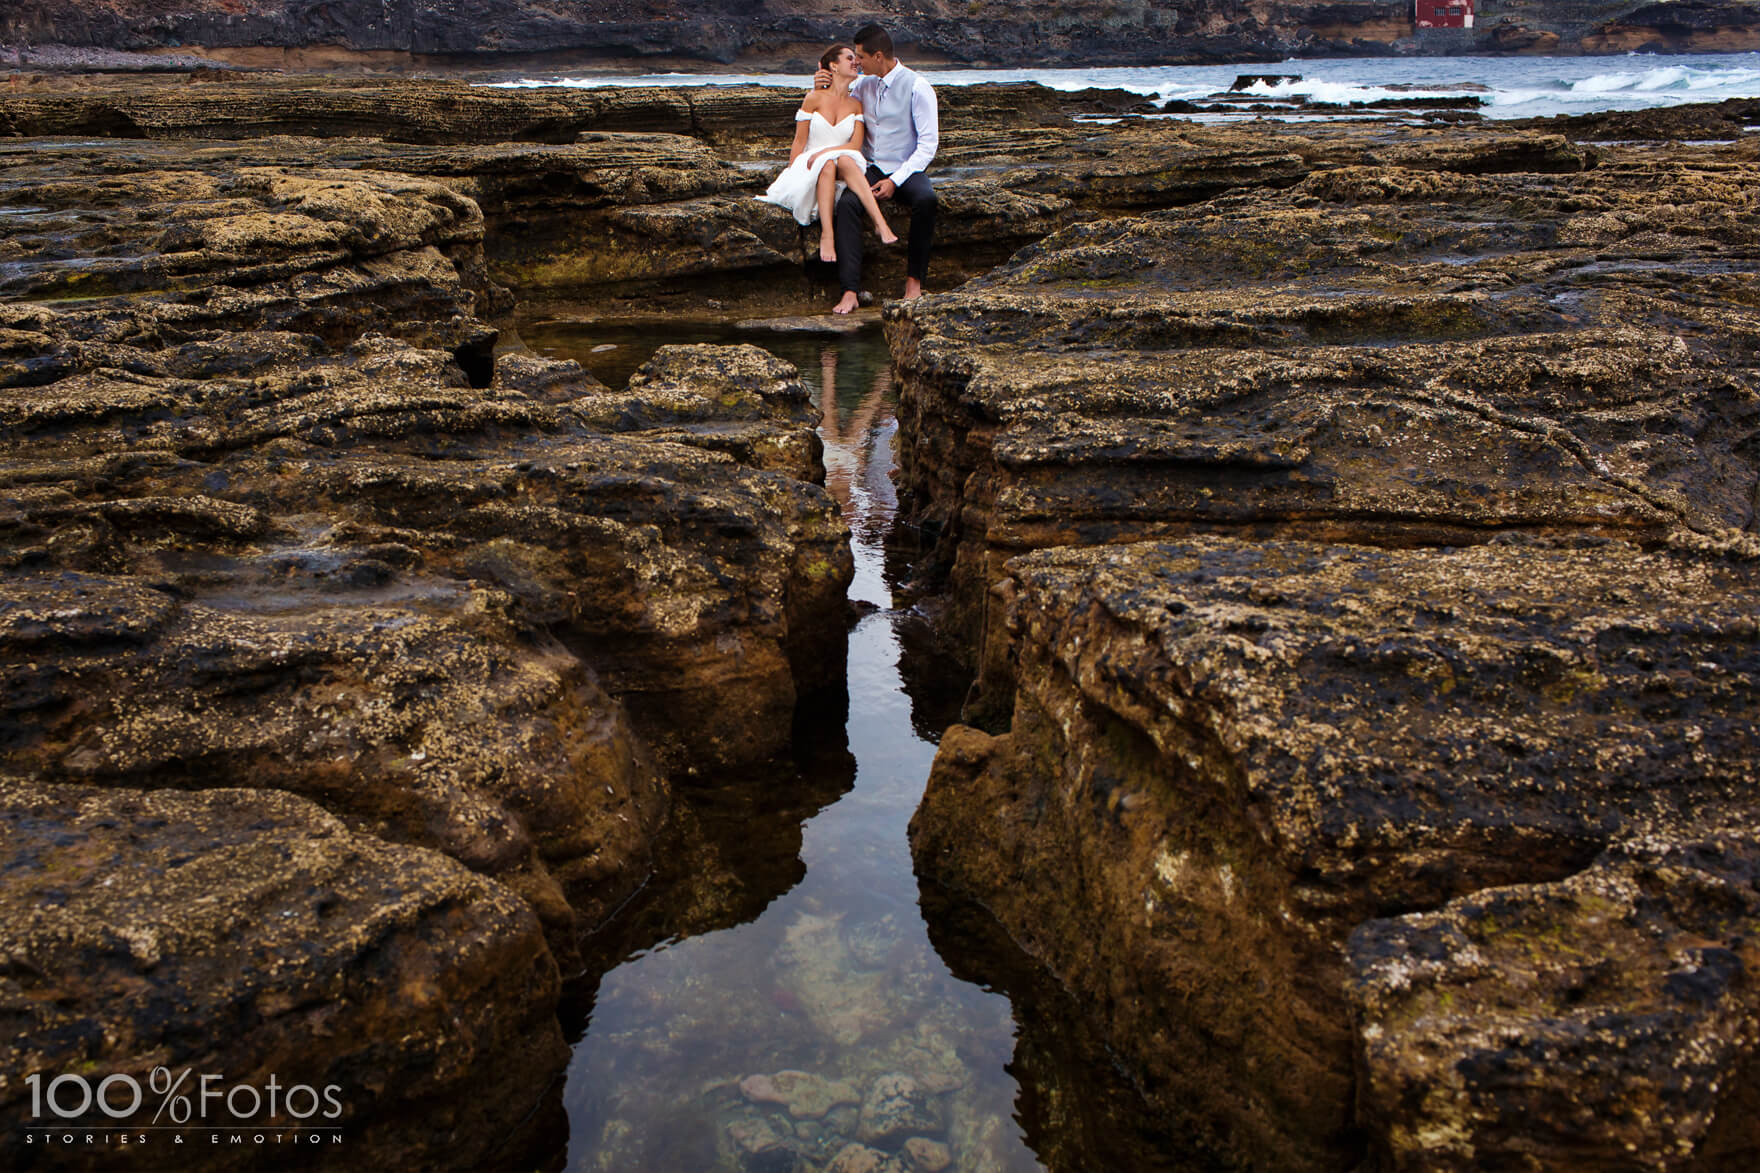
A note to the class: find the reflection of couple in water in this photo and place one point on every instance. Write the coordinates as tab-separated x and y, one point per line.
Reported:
849	433
865	132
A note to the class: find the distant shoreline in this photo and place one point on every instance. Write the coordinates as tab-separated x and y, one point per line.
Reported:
55	59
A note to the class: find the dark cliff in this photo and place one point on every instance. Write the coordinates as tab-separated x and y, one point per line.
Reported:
779	32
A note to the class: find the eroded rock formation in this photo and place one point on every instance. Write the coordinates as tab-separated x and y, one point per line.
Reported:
1361	537
275	515
247	935
1494	1027
1243	750
632	195
1377	546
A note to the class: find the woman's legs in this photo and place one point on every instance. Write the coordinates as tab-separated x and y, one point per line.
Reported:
855	175
827	190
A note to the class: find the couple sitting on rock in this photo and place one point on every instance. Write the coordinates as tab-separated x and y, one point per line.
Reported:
865	132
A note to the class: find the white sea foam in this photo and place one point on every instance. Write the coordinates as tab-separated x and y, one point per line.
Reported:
1513	87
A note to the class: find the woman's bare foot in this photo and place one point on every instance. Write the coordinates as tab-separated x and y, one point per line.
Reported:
850	302
827	249
887	235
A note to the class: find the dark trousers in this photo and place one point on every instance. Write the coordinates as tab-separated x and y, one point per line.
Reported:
918	194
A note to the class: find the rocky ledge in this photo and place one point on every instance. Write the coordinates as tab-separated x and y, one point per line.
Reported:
1243	750
629	200
276	515
1360	580
247	934
286	509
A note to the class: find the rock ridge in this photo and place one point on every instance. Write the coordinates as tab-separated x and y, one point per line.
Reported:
1358	579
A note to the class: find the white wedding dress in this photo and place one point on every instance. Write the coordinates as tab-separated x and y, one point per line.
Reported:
797	188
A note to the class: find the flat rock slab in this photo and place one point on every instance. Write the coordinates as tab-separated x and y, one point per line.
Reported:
415	711
1383	354
806	1096
248	934
1606	1020
831	324
1246	749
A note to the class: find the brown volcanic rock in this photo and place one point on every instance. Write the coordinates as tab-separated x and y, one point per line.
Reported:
632	197
575	32
1351	597
1608	1020
414	710
567	34
272	510
435	111
427	111
1692	26
1241	751
1728	119
248	934
686	579
1382	355
330	253
721	398
364	553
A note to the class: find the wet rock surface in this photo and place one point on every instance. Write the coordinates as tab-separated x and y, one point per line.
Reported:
1245	749
633	195
1342	552
247	932
1399	490
1613	1012
274	512
1383	354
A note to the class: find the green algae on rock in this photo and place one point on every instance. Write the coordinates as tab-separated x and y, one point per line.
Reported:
1243	750
1334	552
248	934
1603	1020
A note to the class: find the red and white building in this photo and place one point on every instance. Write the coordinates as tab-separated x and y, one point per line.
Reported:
1443	14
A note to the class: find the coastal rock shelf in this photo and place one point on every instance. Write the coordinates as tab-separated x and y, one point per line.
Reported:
1379	355
306	953
276	515
1619	995
1235	753
1352	529
1360	582
583	194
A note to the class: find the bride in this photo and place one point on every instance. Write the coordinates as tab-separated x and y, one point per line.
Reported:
827	149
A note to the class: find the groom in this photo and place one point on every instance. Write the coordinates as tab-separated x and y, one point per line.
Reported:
903	130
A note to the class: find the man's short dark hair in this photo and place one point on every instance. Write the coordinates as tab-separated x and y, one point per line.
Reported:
874	39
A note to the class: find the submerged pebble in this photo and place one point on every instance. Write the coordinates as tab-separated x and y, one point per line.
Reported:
805	1095
896	1107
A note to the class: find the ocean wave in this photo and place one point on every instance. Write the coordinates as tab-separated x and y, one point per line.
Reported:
1508	87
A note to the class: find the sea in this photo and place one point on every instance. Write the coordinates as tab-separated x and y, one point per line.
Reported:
1508	87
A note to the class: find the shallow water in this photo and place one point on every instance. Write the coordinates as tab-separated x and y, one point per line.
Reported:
834	976
785	967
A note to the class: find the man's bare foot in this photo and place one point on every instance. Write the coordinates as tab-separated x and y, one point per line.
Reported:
827	250
850	301
912	288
